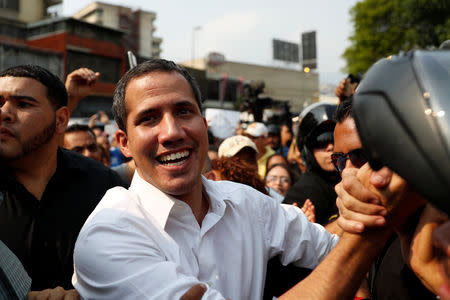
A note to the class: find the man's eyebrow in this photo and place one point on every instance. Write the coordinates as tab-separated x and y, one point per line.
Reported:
20	97
184	103
144	112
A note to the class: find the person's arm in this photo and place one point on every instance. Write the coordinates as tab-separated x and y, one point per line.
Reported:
418	250
340	274
290	234
403	206
334	228
79	84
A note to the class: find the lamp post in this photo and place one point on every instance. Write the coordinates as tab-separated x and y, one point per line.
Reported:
196	28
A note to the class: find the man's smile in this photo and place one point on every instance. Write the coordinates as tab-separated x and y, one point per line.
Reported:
175	158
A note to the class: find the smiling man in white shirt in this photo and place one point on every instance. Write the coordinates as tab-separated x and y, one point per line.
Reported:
172	228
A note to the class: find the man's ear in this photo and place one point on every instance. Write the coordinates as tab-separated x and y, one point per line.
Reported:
62	119
206	123
122	140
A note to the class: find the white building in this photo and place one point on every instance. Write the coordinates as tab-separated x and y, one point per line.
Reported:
137	24
26	11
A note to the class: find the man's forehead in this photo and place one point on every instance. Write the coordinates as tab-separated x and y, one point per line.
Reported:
80	133
160	83
14	84
152	79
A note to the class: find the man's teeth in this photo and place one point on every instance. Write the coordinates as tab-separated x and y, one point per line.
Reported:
174	156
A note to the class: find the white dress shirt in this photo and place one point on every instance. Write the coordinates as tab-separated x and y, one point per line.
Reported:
141	243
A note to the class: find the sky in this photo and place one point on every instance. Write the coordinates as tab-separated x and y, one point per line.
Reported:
243	30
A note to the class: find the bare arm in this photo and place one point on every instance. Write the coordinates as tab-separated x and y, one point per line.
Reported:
340	274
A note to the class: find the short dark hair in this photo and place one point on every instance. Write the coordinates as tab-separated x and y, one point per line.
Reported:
56	91
344	110
155	64
80	127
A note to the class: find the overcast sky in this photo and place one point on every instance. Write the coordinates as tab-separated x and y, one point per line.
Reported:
243	30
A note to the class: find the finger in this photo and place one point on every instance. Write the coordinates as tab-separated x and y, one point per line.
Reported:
350	226
381	178
56	293
32	295
39	295
351	185
365	219
72	295
347	202
296	204
195	292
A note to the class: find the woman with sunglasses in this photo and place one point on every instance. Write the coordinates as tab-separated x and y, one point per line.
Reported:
316	142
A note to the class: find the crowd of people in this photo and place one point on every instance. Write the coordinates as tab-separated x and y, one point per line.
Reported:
165	210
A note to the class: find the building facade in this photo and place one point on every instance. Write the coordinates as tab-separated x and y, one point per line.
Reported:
295	87
26	11
137	25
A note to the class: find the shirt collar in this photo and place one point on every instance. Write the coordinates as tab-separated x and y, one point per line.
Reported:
159	204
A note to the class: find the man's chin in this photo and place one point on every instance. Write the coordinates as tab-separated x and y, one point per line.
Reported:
9	155
179	188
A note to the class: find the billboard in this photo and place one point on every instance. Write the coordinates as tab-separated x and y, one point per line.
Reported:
309	53
309	50
285	51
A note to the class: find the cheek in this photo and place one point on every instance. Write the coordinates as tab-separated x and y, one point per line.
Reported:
142	141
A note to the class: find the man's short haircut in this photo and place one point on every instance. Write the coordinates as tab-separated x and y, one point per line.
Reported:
155	64
80	127
56	91
344	110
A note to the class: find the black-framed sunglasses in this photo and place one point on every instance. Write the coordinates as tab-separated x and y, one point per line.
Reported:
357	157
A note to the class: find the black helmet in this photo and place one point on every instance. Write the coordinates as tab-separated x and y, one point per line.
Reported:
318	120
316	130
402	112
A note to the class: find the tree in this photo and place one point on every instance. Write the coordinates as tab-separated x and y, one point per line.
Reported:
385	27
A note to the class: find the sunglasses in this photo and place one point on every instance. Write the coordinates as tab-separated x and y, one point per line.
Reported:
357	157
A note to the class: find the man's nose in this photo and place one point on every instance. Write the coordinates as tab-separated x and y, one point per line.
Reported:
8	112
170	129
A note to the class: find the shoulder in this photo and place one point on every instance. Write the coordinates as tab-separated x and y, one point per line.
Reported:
242	200
118	202
232	191
308	185
91	169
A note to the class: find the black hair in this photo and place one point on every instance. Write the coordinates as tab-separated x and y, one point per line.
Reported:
80	127
344	110
56	91
272	155
155	64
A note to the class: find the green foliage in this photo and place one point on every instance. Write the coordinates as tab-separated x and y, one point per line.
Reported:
385	27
